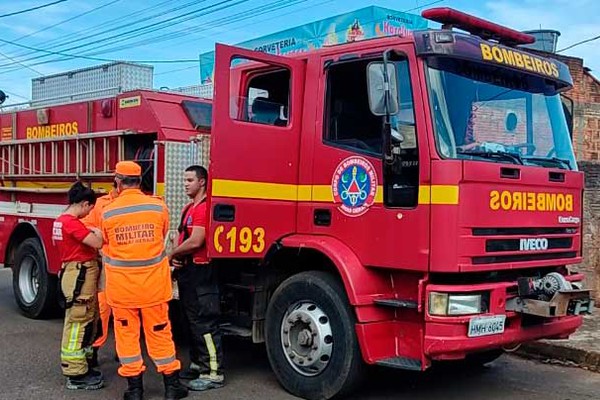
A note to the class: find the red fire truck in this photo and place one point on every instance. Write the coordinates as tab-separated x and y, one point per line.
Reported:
391	202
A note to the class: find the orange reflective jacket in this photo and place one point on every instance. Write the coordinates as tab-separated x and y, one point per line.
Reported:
94	218
134	227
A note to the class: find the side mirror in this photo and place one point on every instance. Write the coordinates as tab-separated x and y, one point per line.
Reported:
567	104
377	88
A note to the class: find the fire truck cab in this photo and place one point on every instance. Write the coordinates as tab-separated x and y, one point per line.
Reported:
405	199
393	201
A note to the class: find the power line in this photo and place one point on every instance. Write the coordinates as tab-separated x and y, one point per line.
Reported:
271	7
15	95
246	14
20	63
424	5
32	9
253	13
164	23
579	43
176	70
64	21
210	25
96	58
178	19
61	41
189	15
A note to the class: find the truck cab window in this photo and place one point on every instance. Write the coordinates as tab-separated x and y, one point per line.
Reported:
350	124
348	120
267	99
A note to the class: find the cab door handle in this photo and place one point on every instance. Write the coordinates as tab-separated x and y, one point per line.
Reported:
224	213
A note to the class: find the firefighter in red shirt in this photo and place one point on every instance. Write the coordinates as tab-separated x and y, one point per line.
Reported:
78	248
93	220
198	287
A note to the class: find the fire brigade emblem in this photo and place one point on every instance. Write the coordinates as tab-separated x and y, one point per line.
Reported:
354	186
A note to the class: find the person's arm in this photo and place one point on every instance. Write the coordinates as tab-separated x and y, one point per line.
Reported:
85	236
191	244
197	236
93	240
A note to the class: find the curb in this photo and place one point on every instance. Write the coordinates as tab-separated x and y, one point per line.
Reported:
557	353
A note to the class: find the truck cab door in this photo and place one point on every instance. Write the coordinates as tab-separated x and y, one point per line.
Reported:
254	159
382	215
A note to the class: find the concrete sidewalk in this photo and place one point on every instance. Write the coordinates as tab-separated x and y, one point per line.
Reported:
582	349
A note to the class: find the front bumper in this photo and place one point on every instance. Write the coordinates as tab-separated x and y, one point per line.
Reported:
411	338
526	320
450	340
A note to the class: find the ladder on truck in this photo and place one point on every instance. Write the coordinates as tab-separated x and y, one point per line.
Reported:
86	156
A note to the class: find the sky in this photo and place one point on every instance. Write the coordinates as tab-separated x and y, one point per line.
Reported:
105	29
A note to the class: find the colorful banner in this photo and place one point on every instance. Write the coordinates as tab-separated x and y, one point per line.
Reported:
361	24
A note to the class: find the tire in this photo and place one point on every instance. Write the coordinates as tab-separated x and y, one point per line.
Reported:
319	298
35	289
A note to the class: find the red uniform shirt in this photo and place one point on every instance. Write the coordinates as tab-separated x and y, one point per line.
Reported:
195	216
68	233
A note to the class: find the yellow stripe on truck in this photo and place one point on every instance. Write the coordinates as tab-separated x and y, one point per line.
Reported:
428	194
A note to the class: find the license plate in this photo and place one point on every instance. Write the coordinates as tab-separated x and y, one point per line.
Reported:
483	326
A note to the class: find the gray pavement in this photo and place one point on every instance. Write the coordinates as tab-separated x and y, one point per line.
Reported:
29	362
581	349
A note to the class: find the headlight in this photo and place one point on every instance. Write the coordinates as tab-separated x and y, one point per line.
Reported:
438	303
455	304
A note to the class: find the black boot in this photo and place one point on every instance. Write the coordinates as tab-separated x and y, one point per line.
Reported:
135	388
174	390
93	361
91	380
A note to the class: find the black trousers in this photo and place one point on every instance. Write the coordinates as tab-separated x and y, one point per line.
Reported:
199	296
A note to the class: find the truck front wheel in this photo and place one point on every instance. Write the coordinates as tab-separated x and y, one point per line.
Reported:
35	289
310	337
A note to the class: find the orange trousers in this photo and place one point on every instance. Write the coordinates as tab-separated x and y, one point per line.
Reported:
159	341
104	310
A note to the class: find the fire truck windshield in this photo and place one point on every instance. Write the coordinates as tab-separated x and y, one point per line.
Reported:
495	114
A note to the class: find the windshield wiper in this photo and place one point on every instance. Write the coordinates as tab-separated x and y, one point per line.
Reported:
516	158
561	162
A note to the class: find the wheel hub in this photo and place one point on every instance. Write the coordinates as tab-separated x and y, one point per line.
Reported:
29	282
307	338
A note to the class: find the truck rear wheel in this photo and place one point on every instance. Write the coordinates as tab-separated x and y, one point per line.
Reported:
310	337
35	289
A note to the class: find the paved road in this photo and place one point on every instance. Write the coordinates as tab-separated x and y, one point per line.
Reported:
30	370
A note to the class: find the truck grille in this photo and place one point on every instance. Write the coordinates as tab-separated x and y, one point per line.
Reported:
517	241
523	257
496	245
522	231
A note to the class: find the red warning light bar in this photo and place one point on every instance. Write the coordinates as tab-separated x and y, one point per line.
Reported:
477	26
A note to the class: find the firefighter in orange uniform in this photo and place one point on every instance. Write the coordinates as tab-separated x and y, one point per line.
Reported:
93	221
138	282
77	247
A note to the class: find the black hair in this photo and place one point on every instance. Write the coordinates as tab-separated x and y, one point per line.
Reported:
79	193
130	181
200	171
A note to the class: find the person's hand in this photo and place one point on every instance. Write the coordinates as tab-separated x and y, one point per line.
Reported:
96	231
174	262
